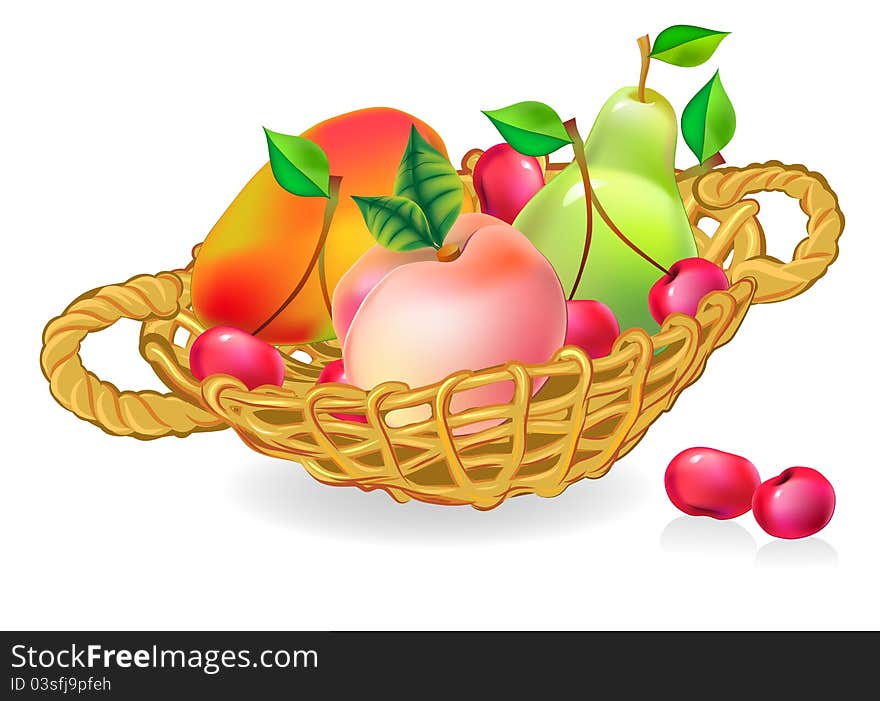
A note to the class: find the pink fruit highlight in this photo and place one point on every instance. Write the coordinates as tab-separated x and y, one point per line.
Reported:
505	180
499	300
225	350
363	276
795	504
592	326
688	281
334	371
376	263
709	482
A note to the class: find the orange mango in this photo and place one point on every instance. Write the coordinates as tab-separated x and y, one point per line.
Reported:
265	268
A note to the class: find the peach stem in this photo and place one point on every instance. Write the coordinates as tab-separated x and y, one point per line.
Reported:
448	252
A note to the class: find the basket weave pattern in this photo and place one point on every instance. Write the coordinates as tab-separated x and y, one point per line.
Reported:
585	417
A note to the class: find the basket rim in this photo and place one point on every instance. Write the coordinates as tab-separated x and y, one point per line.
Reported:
627	348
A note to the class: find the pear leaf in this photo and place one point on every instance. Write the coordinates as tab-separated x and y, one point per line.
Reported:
685	45
426	177
395	222
532	128
708	122
300	166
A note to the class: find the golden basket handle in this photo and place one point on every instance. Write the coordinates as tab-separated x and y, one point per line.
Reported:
718	194
145	414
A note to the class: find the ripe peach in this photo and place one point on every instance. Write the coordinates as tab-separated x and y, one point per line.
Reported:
378	261
267	246
499	300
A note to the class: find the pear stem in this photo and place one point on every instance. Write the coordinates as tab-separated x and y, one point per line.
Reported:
580	158
644	43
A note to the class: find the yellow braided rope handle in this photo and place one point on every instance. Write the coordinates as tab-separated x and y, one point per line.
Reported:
145	414
718	194
148	414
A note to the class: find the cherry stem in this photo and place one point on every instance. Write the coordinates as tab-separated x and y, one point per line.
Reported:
580	158
644	43
329	210
703	167
611	225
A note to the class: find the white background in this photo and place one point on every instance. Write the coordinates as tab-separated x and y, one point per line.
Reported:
125	133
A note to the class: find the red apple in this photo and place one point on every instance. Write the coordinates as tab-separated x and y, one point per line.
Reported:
334	371
688	281
504	180
225	350
709	482
592	326
486	298
795	504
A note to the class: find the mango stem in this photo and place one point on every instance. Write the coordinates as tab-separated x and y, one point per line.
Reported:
329	210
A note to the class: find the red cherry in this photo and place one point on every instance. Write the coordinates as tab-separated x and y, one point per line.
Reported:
225	350
334	371
795	504
504	180
592	326
709	482
689	280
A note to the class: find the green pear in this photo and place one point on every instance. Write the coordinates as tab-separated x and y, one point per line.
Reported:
630	153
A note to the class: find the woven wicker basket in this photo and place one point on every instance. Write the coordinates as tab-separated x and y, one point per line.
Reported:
586	416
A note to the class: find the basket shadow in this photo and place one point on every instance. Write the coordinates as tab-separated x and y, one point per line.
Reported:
285	495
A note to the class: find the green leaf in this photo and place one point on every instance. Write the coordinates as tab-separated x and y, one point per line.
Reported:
708	122
426	177
300	166
395	222
684	45
532	128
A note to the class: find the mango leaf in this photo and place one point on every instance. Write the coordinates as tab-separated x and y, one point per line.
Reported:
685	45
395	222
300	166
708	122
426	177
532	128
